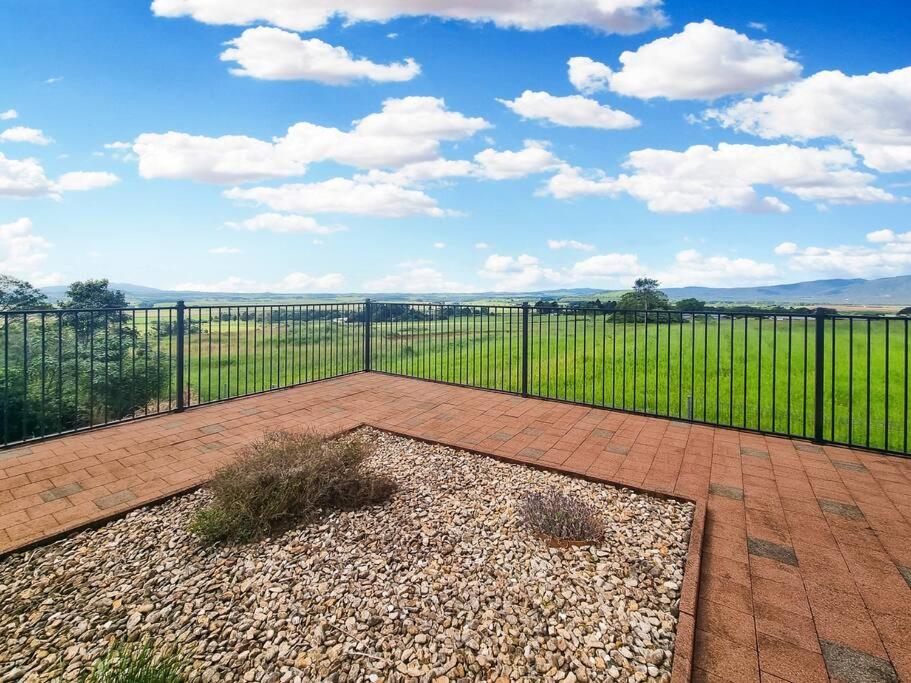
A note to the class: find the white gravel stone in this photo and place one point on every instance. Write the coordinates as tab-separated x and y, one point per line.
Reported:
441	583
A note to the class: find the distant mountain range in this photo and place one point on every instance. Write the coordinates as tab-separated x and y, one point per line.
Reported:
891	291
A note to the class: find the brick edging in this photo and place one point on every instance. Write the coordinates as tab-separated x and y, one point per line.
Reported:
689	594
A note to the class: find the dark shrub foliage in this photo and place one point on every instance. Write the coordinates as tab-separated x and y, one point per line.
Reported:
561	518
284	479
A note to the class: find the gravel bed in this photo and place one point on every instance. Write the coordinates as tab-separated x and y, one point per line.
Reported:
442	583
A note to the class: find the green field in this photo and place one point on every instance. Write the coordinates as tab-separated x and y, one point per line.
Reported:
729	371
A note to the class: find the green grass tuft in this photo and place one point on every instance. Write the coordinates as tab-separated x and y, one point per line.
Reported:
137	663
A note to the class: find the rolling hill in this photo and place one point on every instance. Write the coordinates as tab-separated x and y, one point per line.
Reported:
892	291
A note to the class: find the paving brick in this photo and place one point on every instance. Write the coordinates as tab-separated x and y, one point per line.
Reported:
115	499
60	492
782	514
790	662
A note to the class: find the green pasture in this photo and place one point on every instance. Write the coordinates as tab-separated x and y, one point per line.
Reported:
729	371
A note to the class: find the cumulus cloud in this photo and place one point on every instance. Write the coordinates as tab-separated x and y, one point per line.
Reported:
293	283
24	134
702	62
342	195
481	245
285	223
8	115
276	55
573	111
691	267
533	158
421	172
23	253
26	178
417	278
589	76
516	273
727	176
868	112
523	272
407	130
570	244
80	181
886	254
613	16
608	266
489	164
786	248
439	245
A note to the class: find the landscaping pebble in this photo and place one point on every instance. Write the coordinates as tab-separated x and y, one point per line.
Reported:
442	583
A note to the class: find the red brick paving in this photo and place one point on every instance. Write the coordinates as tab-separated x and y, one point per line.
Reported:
831	527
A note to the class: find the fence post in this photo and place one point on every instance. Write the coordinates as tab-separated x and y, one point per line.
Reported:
368	320
180	358
525	348
819	375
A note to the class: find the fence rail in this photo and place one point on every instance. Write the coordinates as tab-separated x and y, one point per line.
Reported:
833	378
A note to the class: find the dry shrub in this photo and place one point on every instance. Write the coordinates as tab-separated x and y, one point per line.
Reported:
284	479
561	518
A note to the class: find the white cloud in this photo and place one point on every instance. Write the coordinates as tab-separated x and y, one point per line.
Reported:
703	177
524	272
8	115
293	282
226	159
614	16
702	62
608	266
53	80
285	223
277	55
421	172
341	195
80	181
868	112
518	273
694	268
890	255
415	278
224	251
24	134
439	245
570	244
23	253
573	110
481	245
23	178
758	25
786	248
533	158
407	130
488	164
589	76
26	178
122	151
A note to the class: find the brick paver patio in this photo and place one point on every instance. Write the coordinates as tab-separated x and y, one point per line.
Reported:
806	569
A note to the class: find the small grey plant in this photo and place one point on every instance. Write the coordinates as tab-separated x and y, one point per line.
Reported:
561	518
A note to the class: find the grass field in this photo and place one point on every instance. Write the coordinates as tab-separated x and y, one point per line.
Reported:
743	372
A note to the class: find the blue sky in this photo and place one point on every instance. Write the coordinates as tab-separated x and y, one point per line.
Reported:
527	145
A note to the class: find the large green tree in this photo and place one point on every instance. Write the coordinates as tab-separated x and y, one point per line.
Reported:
19	295
645	296
93	294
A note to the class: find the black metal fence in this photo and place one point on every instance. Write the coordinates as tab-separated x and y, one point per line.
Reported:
833	378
